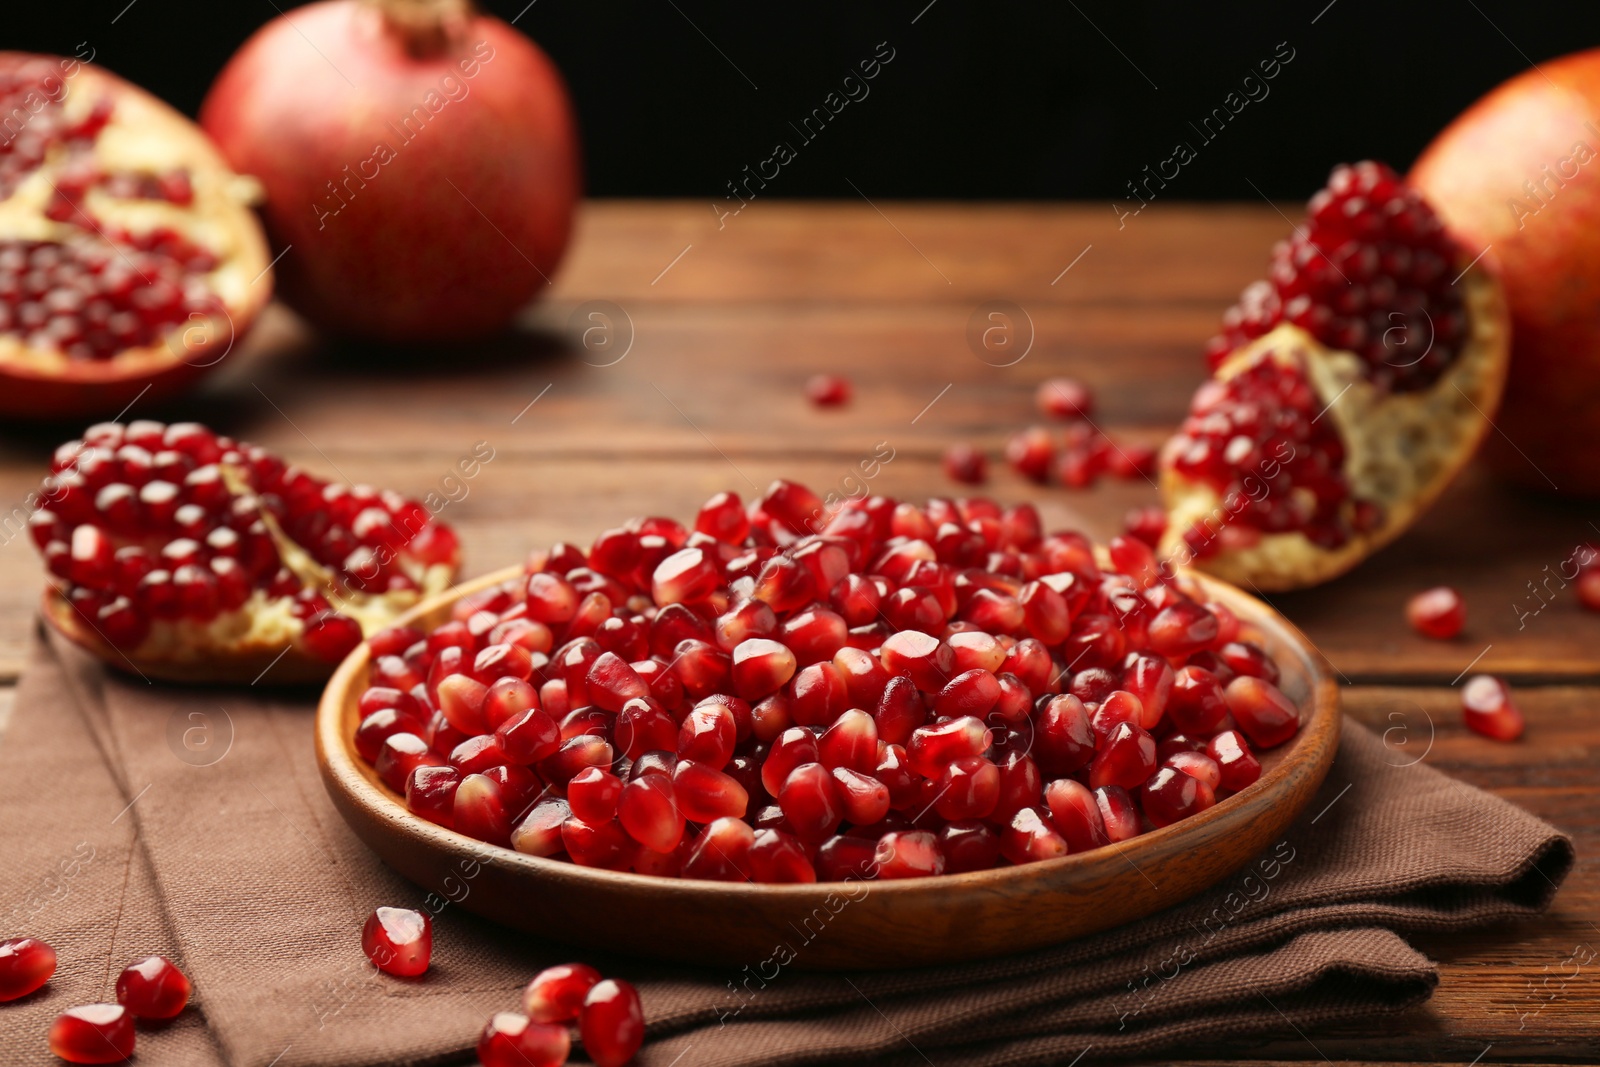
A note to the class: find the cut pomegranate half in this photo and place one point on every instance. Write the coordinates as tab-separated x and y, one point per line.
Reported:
1347	391
130	260
183	554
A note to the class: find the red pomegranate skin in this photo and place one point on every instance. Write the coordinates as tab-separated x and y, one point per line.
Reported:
1539	128
423	193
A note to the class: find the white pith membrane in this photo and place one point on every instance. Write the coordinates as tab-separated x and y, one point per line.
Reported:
143	136
1401	449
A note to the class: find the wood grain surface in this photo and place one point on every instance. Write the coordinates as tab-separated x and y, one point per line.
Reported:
725	326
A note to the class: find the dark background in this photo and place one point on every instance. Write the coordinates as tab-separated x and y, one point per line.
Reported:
1034	99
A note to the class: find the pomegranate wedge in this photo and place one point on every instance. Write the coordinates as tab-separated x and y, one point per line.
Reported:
130	260
182	554
1347	391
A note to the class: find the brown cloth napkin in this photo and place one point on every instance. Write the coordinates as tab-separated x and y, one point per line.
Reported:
140	818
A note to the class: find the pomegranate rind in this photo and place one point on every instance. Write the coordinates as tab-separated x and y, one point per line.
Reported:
1402	450
143	133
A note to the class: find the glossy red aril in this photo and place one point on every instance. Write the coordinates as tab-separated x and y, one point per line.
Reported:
1197	765
232	565
1236	763
402	754
26	964
811	802
908	854
1118	813
777	857
969	845
153	988
1029	837
1439	613
965	464
933	748
93	1033
611	1023
1076	814
1064	398
510	1039
398	941
556	994
1488	709
828	390
1170	795
649	813
705	793
1126	759
1267	717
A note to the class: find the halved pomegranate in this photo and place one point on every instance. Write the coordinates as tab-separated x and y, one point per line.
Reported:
129	257
1347	390
186	555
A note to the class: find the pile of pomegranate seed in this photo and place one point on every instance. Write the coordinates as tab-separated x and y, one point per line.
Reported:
1488	709
1081	454
147	526
892	691
1371	272
26	964
398	941
1439	613
828	390
607	1010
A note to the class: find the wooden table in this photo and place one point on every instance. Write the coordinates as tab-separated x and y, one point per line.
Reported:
669	364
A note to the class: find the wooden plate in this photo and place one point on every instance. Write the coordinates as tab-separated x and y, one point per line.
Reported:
864	925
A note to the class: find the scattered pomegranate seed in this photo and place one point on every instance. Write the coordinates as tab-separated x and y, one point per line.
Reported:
966	464
398	941
828	390
26	964
93	1033
1439	613
509	1039
153	988
1487	706
611	1023
556	994
1064	398
751	700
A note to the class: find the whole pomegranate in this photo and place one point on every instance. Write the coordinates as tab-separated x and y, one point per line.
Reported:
1519	173
420	163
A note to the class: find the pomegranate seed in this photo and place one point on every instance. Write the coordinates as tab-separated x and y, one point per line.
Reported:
845	858
153	988
908	854
687	576
966	464
1064	398
512	1040
1267	717
575	753
722	852
1170	795
1242	657
778	857
480	810
26	964
1196	703
1076	814
811	802
398	941
1127	758
539	833
649	812
1064	741
93	1033
968	845
556	994
1032	453
1118	814
604	845
968	789
708	735
1182	628
1236	762
852	741
828	390
431	793
926	660
1487	706
865	799
933	748
1439	613
705	793
1197	765
761	667
593	794
400	755
461	699
1589	588
1029	837
611	1023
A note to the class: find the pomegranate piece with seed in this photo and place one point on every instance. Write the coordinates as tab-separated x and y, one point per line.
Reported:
26	964
153	988
119	278
611	1023
911	671
510	1039
191	556
1335	414
556	994
1488	709
93	1033
1439	613
398	941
